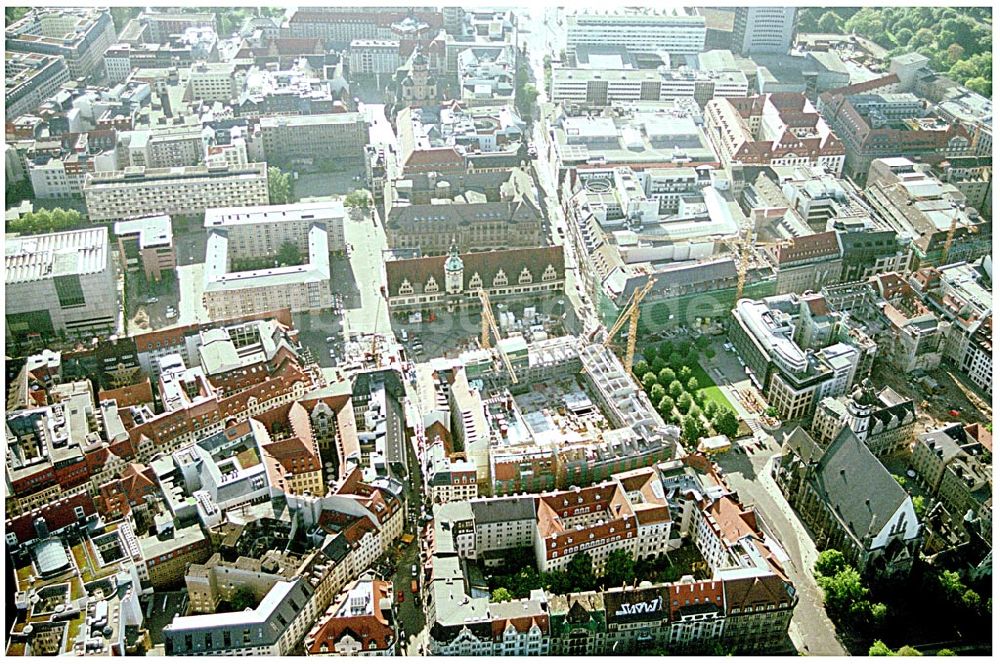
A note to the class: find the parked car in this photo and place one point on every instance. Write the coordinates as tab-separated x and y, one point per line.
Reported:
413	571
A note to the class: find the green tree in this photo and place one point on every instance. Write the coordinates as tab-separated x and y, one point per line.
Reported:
946	652
955	53
666	376
907	651
841	591
702	342
666	348
695	412
692	384
358	202
649	380
649	354
684	373
243	598
676	360
640	368
279	187
619	568
980	85
580	573
684	402
830	23
665	407
710	353
289	254
952	586
919	506
711	408
675	389
725	422
658	365
501	595
771	411
879	649
829	562
657	392
691	430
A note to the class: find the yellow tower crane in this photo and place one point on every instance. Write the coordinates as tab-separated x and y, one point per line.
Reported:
744	249
490	324
951	236
631	314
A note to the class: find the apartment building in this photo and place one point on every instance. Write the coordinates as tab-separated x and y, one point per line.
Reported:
780	129
324	136
162	147
252	233
368	57
613	87
138	191
362	622
60	283
29	79
214	81
643	30
79	36
957	468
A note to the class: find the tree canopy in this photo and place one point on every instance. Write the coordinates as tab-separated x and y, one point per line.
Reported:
46	221
957	44
279	186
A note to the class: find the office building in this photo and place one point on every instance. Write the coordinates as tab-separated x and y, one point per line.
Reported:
80	36
147	244
645	30
614	87
763	30
796	351
60	283
29	79
776	129
329	136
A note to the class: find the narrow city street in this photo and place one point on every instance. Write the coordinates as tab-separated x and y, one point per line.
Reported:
811	630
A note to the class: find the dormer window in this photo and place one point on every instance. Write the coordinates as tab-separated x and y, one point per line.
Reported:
549	274
432	286
406	288
476	282
525	277
500	279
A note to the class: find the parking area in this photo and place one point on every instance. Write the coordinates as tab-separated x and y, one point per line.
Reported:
159	610
337	183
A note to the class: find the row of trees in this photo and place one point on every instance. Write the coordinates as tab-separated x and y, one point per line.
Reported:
845	596
46	221
958	41
666	376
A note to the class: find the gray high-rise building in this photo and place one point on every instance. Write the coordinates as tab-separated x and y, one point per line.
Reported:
763	30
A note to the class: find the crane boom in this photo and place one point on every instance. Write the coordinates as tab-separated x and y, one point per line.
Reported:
490	323
631	314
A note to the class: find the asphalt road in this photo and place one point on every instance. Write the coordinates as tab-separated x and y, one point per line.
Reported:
811	630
